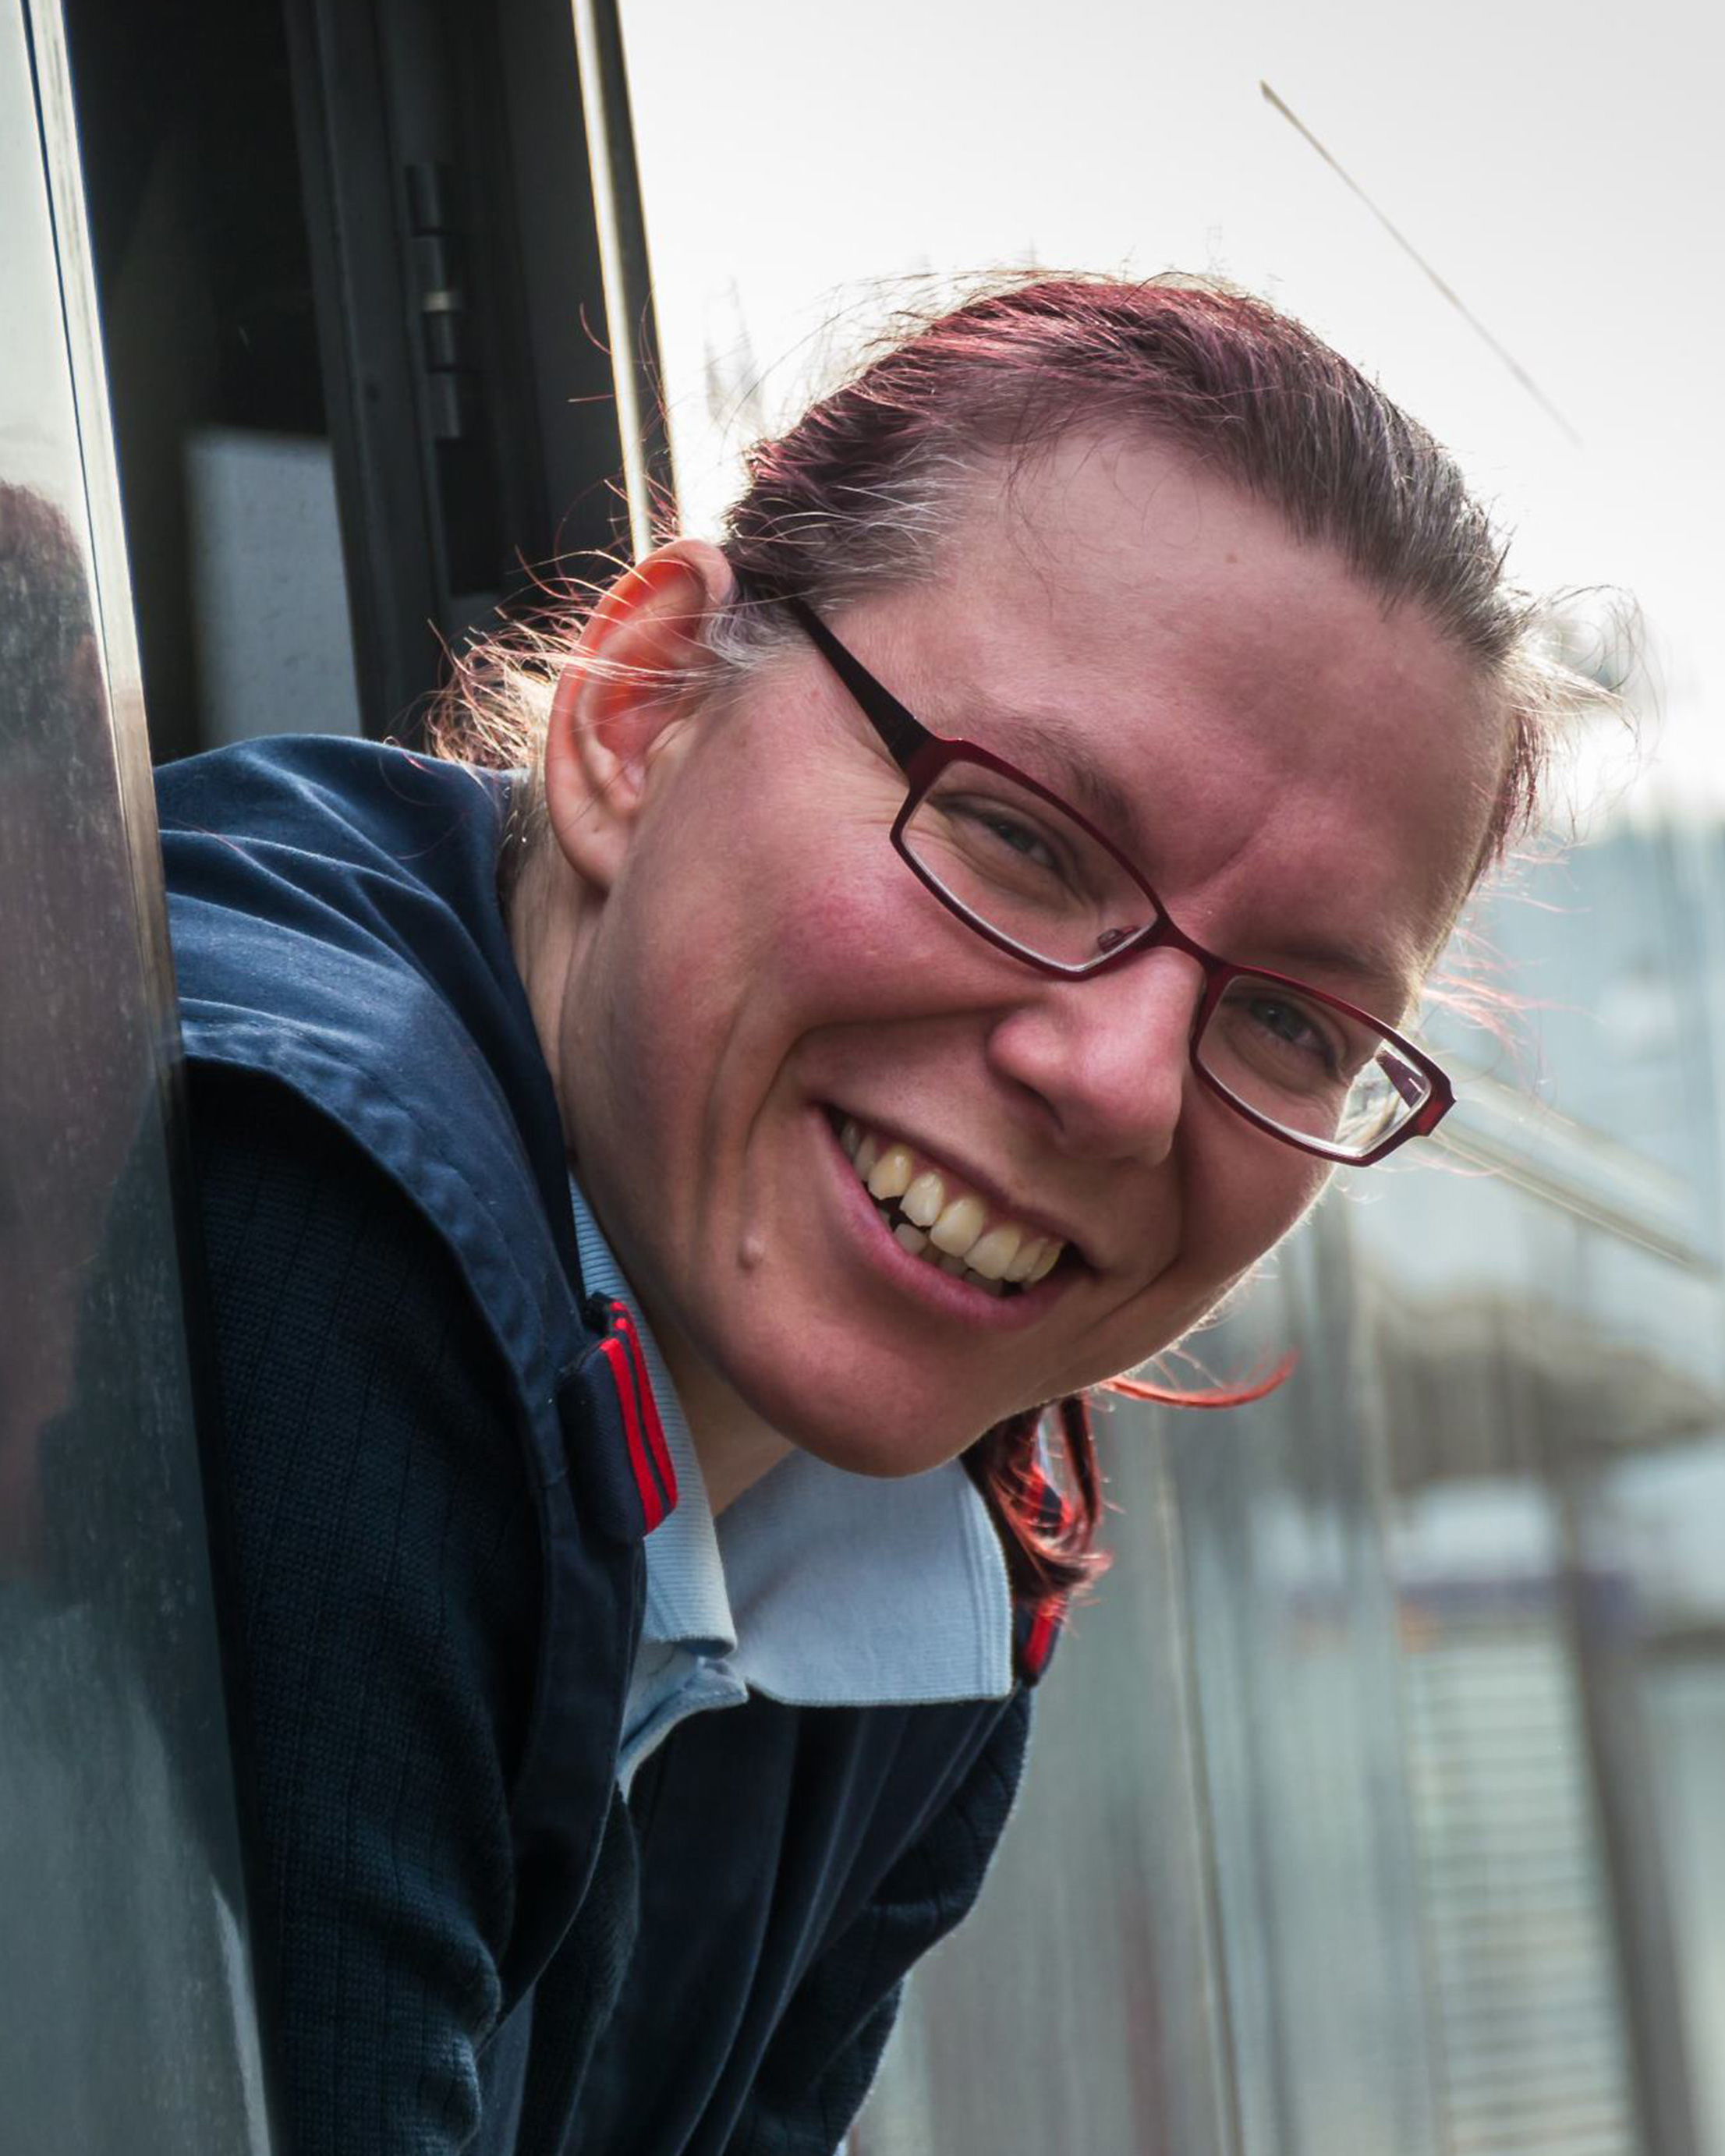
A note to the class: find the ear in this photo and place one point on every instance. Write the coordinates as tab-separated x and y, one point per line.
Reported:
616	701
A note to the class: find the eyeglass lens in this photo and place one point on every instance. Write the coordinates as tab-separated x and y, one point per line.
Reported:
1023	867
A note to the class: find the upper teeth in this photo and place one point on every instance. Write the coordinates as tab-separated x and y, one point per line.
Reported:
955	1222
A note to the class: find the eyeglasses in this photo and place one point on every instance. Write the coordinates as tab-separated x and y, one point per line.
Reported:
1038	880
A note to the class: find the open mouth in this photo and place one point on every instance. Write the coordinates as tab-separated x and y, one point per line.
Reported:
935	1218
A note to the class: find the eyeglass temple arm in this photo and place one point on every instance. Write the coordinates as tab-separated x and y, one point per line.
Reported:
902	733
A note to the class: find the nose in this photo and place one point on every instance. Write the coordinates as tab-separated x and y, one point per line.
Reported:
1108	1059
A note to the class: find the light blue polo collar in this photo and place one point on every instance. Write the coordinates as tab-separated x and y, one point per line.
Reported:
818	1587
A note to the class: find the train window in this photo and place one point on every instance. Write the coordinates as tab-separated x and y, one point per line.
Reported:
356	320
128	2017
1363	1812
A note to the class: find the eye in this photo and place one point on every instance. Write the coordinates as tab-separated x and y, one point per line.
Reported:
1023	839
1293	1026
1004	837
1019	862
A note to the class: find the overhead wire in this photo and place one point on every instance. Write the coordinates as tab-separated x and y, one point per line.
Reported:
1447	289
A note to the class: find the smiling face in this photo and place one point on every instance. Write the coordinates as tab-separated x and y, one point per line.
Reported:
1305	775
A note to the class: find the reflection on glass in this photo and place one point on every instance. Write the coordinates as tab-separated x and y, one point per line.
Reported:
1373	1806
128	2020
1453	1618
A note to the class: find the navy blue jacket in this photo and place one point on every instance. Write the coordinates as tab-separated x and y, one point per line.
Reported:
440	1484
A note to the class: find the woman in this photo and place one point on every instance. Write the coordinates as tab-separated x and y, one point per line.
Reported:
650	1202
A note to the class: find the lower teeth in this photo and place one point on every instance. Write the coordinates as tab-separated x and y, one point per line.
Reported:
891	1213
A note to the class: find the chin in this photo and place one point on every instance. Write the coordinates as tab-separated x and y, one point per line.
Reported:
878	1456
887	1447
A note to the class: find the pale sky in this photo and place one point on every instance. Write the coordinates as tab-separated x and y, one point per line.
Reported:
1559	168
38	433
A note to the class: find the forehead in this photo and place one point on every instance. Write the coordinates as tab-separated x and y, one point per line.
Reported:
1296	760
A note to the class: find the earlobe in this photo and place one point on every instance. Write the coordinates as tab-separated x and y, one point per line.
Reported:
631	680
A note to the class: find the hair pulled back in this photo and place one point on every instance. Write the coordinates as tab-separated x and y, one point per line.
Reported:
861	491
863	488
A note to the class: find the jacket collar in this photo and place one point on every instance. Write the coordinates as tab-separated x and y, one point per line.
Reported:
337	925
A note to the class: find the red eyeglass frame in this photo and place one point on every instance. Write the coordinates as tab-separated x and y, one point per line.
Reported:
922	756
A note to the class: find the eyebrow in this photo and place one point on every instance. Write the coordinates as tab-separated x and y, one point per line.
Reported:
1046	742
1047	746
1372	967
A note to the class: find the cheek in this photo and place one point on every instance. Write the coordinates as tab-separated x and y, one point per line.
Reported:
825	927
1263	1209
858	927
1242	1194
718	953
755	861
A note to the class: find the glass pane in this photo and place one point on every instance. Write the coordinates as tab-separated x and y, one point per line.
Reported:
1439	1597
1308	1068
1618	945
1024	866
128	2021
